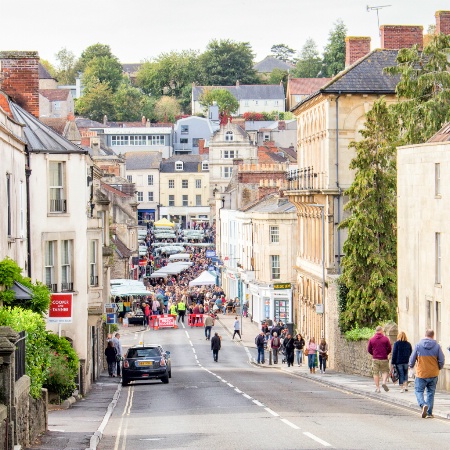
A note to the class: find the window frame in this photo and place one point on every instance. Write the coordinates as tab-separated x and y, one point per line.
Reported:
171	200
185	200
198	183
229	136
171	184
57	190
150	180
179	166
205	165
66	265
274	234
198	200
49	264
275	267
139	196
93	263
185	184
437	180
150	196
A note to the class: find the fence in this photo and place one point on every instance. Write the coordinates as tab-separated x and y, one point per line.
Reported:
19	355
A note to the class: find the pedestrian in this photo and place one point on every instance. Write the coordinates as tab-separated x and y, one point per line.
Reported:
401	353
181	308
111	358
288	345
260	342
275	344
299	343
215	346
312	348
118	347
209	323
237	328
323	355
146	315
430	360
155	307
380	347
245	309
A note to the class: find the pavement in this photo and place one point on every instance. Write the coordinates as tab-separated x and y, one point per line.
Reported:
94	410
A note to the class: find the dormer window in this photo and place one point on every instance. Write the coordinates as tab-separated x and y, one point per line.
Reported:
179	165
229	136
205	165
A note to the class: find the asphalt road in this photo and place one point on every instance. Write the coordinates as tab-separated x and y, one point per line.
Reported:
233	404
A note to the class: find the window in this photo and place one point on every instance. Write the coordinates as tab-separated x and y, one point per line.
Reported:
150	180
256	102
229	136
184	184
185	200
140	196
93	274
276	102
8	204
205	165
274	234
56	106
198	200
138	140
150	196
66	266
266	137
437	179
198	184
438	316
130	178
183	140
230	154
195	142
226	172
438	258
56	185
171	200
275	266
22	211
119	140
155	140
246	103
49	265
179	165
184	129
171	184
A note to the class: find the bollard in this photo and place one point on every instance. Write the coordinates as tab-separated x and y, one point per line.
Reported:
270	357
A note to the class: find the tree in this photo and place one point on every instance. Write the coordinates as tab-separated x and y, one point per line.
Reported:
282	52
225	100
49	67
334	53
370	261
97	102
277	76
93	51
309	63
167	109
128	102
224	62
423	90
66	68
105	69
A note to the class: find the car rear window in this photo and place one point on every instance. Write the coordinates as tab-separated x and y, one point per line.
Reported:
143	352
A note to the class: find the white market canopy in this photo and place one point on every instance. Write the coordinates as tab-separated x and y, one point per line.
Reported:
180	256
124	281
204	279
164	223
158	274
126	290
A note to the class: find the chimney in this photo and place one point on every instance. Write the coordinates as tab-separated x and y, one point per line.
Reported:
19	78
202	150
237	83
143	121
355	48
442	22
395	37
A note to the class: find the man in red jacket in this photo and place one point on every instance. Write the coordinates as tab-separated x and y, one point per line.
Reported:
380	347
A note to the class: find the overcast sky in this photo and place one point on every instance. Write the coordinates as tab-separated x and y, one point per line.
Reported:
142	29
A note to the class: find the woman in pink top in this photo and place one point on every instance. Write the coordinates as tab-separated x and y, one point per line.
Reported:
312	348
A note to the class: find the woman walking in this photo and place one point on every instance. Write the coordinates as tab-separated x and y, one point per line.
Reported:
111	356
400	356
299	343
237	328
312	348
323	355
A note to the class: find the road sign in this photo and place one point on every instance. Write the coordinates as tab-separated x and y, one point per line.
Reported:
111	318
111	308
210	253
166	322
60	310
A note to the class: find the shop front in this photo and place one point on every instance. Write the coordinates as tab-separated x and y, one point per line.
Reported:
145	216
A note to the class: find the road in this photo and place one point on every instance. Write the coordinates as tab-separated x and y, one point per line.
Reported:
233	404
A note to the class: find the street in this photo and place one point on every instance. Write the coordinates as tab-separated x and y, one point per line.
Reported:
235	404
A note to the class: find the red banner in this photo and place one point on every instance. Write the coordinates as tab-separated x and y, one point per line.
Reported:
60	310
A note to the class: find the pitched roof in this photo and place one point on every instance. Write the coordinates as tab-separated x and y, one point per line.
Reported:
273	204
56	124
191	163
44	73
443	135
122	250
41	138
142	160
88	123
246	91
55	95
305	86
365	76
131	68
112	189
269	63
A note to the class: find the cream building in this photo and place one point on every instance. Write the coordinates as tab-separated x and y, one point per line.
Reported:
423	242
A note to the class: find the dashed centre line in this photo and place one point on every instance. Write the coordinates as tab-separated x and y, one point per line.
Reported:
315	438
272	412
292	425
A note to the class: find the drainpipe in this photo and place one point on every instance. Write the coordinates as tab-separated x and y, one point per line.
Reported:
27	187
337	185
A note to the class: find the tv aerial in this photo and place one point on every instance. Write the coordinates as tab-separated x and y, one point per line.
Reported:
377	8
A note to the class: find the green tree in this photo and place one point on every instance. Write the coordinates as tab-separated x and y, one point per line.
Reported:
277	76
49	66
96	102
283	52
128	102
93	51
370	262
104	69
334	53
66	71
167	109
224	62
309	63
225	100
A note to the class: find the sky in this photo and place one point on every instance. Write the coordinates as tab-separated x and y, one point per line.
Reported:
139	30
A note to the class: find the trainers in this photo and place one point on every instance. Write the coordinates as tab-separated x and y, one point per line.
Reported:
377	391
402	390
430	416
424	411
385	387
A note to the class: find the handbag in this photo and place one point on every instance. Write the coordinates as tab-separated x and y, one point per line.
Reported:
394	374
305	352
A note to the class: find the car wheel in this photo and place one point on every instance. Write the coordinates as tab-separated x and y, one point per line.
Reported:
165	379
125	382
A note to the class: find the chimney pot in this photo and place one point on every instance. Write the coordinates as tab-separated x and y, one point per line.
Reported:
355	48
442	22
396	37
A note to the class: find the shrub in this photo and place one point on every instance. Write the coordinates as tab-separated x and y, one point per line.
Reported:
359	334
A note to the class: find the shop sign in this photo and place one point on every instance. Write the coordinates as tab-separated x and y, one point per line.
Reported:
278	286
319	308
60	310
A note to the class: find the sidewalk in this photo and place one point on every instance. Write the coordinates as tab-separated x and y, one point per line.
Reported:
350	383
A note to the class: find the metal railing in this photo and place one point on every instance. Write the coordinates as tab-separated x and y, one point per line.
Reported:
19	355
302	179
66	287
93	281
59	206
53	287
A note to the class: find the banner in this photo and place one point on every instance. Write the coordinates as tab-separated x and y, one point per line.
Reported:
60	310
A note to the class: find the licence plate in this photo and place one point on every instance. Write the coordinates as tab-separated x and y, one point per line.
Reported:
145	363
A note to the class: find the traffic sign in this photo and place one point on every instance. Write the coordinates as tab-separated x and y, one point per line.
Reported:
111	318
111	308
166	322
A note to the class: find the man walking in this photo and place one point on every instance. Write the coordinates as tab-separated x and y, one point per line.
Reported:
215	346
275	344
430	360
380	347
260	341
209	323
237	328
288	345
118	346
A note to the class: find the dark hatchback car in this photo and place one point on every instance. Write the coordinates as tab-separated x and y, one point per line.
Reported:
145	362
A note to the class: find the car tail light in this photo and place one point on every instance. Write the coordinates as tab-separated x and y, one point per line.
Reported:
162	362
126	364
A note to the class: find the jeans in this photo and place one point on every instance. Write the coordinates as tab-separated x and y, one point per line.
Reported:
118	368
208	332
420	384
299	354
216	355
260	355
402	370
312	361
238	332
322	363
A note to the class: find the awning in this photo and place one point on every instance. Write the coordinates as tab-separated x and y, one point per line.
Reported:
164	223
21	292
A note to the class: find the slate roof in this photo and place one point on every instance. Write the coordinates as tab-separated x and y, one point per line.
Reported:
192	163
443	135
247	91
305	86
121	249
55	123
88	123
142	160
43	73
131	68
54	95
269	63
273	204
39	137
365	76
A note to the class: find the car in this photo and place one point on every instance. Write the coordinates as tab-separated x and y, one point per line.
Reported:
143	362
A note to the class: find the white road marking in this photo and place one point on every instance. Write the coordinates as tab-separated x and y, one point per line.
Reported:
247	396
224	381
292	425
272	412
191	343
231	386
193	349
238	391
54	429
315	438
257	403
187	334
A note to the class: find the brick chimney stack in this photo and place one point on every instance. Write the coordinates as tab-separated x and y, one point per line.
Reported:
442	22
355	48
396	37
20	78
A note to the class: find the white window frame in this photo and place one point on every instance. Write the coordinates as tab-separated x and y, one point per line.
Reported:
150	180
275	272
171	184
155	139
226	172
58	202
139	196
437	180
49	263
66	265
93	263
179	165
138	139
185	184
198	183
198	200
130	178
205	165
171	200
185	200
184	129
229	136
150	196
119	139
274	232
438	259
